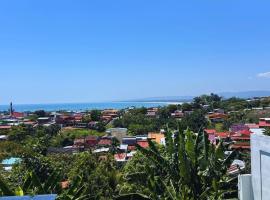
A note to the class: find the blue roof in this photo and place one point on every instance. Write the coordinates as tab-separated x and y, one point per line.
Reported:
38	197
11	161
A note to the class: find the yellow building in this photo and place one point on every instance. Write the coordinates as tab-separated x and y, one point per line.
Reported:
156	137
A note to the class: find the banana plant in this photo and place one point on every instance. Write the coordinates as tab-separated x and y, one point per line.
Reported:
189	168
33	186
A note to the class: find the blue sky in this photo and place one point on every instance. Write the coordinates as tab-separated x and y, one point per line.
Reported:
102	50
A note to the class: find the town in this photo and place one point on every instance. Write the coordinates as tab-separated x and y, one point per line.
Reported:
100	132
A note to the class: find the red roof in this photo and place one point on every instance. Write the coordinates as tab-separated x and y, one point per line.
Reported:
240	138
217	116
120	156
5	127
17	114
210	131
264	124
240	146
245	132
223	134
143	143
252	125
105	141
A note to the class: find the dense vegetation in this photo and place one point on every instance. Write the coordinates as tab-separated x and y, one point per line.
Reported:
188	167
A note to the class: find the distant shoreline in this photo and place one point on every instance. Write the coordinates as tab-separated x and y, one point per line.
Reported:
78	107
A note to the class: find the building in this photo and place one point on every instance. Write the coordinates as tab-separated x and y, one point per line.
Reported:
255	186
217	117
264	123
152	112
118	133
241	140
239	127
156	137
91	141
143	143
178	114
105	141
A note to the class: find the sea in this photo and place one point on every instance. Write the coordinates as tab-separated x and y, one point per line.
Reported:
83	106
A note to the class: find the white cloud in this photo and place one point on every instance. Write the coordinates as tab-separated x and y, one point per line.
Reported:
264	75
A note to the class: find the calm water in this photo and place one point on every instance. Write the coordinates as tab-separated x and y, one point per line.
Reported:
79	106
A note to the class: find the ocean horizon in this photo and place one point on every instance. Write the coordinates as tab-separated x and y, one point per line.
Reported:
82	106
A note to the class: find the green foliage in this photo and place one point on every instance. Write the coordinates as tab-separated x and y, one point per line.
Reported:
189	168
267	131
138	123
95	115
195	121
40	113
67	136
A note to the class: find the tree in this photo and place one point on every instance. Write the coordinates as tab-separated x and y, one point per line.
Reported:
95	115
189	168
40	113
267	131
186	107
195	121
100	126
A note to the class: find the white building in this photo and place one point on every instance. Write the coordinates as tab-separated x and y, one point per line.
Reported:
256	186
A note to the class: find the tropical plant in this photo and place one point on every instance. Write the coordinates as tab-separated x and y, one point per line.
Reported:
32	185
189	168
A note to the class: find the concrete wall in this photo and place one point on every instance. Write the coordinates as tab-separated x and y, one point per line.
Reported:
260	166
245	187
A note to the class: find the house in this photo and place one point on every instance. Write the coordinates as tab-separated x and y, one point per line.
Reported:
130	141
43	120
241	140
109	114
65	120
18	115
105	141
118	133
10	162
223	135
178	114
78	117
91	141
156	137
217	117
252	126
5	127
264	122
143	143
79	142
152	112
239	127
120	157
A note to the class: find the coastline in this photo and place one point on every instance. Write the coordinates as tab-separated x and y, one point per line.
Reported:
84	106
